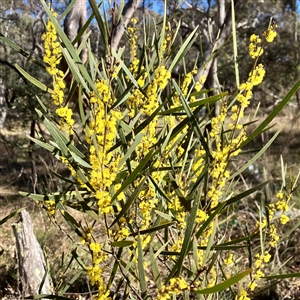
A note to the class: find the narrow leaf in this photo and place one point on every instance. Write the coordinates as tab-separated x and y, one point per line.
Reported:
142	276
273	114
225	284
11	215
133	175
122	244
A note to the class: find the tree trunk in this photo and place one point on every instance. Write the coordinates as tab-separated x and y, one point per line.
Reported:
3	105
223	31
31	261
127	13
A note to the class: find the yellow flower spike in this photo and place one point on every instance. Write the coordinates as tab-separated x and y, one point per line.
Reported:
52	57
273	235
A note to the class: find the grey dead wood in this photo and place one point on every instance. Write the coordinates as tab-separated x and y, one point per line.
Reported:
31	260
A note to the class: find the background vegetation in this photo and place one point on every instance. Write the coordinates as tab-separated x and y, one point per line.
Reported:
158	186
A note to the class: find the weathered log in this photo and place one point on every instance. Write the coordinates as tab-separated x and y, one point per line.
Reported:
31	260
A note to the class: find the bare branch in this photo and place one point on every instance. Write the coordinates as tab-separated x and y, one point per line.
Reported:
221	12
119	30
225	30
191	6
73	23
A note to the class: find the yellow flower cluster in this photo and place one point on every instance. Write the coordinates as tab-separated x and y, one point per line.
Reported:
185	88
281	206
245	94
243	295
255	78
255	48
229	259
187	81
176	286
95	272
52	57
166	41
148	201
104	127
51	207
132	38
97	268
198	164
177	245
203	242
147	102
171	120
199	83
218	170
86	237
66	117
237	111
211	277
259	264
121	232
159	82
271	33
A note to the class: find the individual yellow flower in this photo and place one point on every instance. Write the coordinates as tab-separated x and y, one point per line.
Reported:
280	195
255	50
282	205
134	20
50	206
229	259
284	219
252	285
259	274
267	257
243	295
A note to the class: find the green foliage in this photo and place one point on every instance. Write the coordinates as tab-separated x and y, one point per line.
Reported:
155	188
